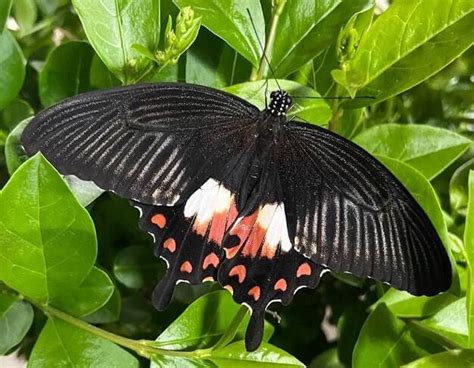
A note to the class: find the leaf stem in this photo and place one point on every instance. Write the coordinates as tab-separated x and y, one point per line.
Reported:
268	49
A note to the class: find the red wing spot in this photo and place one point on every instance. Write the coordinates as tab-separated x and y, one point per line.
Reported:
255	292
281	285
186	267
231	252
229	288
303	270
159	220
170	244
211	259
240	271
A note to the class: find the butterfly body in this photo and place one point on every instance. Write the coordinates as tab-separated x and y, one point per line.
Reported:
244	197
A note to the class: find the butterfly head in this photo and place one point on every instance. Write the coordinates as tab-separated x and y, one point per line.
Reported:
280	102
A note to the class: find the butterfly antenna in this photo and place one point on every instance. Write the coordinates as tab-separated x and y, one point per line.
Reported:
264	49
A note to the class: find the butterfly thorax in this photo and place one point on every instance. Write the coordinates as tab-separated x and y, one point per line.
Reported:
280	102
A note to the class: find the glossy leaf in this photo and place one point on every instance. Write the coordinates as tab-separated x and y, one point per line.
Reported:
65	72
451	358
92	294
5	7
114	26
136	266
390	346
306	27
12	69
458	187
203	323
16	318
450	322
229	20
25	13
408	43
15	113
328	359
108	313
405	305
63	345
469	248
265	356
314	110
48	242
428	149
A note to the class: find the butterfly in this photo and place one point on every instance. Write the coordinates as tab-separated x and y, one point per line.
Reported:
261	204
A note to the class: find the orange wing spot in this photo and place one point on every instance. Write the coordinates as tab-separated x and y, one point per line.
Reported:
186	267
211	259
218	224
254	241
281	285
232	214
303	270
231	252
229	288
240	271
268	251
244	227
208	278
170	244
255	292
159	220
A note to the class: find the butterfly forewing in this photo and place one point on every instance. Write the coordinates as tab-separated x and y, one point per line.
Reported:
152	143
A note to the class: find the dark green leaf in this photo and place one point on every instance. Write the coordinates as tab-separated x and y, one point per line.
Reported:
114	26
407	44
5	7
428	149
266	355
229	20
65	72
14	153
308	27
328	359
16	112
92	294
135	266
469	248
450	322
48	242
314	110
451	358
100	76
63	345
12	68
385	341
16	318
109	313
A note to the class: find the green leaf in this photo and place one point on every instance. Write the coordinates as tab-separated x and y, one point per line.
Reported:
16	318
229	20
109	313
135	266
16	112
12	68
405	305
428	149
25	13
203	323
328	359
235	355
65	72
458	187
48	7
450	322
5	7
92	294
408	43
469	248
314	110
114	26
451	358
306	27
63	345
160	361
385	341
48	241
100	76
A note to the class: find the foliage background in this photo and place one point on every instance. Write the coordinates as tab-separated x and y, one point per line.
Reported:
69	263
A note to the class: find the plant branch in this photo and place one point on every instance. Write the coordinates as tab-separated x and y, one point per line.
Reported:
268	49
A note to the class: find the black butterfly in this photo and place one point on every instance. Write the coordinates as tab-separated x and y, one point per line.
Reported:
261	204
